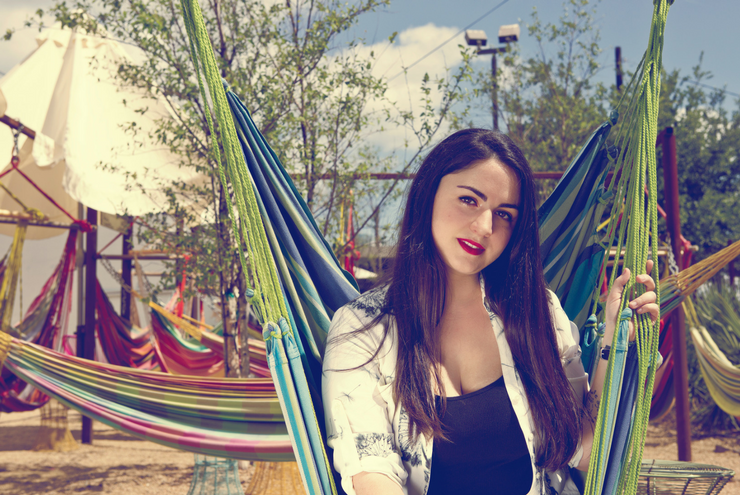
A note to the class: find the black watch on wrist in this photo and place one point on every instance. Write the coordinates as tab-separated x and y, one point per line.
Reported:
605	352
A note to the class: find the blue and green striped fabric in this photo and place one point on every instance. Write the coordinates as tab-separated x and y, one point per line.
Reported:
314	286
571	254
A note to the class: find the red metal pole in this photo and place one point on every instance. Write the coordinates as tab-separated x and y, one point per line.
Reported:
88	349
680	365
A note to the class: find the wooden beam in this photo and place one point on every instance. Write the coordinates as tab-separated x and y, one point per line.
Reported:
16	124
139	256
53	225
396	176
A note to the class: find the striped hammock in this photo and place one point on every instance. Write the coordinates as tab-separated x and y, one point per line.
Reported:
44	323
163	348
234	418
721	376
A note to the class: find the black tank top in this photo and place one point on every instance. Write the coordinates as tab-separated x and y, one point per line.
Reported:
486	452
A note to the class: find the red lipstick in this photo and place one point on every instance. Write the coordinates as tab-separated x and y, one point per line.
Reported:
471	247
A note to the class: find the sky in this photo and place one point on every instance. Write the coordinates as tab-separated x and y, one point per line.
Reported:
694	27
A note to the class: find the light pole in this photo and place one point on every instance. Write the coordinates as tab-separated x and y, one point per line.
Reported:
476	37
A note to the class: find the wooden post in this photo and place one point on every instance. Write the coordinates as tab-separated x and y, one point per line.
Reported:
680	364
126	275
88	349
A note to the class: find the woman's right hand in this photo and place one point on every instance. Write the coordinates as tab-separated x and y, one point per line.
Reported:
642	304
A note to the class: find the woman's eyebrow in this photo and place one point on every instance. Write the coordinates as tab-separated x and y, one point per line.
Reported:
477	192
485	198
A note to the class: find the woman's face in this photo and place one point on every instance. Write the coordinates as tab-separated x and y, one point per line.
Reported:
475	211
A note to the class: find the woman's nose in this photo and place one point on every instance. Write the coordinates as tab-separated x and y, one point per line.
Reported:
483	223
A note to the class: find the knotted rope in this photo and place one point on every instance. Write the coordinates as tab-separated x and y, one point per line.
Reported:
637	231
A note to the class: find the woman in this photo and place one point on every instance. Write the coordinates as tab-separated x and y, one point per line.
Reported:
452	376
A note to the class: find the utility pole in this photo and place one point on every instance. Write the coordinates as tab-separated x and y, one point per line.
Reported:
618	66
494	85
506	34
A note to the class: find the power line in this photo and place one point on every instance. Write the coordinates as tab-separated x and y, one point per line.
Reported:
697	83
451	38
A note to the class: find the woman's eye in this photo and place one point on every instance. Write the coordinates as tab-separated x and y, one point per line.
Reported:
469	200
505	215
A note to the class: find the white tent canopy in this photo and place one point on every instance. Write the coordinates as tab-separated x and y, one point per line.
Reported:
66	90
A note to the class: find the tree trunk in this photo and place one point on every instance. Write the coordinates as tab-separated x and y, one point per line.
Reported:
232	367
243	327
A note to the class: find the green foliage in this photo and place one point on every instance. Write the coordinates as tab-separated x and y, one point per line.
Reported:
707	152
310	88
718	310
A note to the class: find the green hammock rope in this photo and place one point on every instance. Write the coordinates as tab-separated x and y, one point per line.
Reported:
250	230
267	298
638	233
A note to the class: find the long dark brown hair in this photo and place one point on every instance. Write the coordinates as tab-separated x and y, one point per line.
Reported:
516	291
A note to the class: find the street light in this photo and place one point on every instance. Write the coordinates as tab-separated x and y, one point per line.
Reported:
477	37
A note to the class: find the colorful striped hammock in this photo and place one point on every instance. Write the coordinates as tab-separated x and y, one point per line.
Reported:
234	418
45	323
163	348
720	375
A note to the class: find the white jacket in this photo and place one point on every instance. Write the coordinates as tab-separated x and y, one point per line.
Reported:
368	430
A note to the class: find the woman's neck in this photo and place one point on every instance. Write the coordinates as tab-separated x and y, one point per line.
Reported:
462	290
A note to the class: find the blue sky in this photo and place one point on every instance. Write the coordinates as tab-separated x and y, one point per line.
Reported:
694	26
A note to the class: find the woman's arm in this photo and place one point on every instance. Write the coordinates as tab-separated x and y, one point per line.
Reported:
358	398
640	305
375	484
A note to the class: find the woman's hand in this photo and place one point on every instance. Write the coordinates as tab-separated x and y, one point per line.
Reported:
640	305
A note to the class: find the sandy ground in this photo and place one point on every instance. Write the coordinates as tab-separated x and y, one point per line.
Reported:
118	464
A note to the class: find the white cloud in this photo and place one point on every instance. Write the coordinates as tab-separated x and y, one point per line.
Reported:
404	89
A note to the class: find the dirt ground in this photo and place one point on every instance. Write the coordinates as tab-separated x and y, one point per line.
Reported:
118	464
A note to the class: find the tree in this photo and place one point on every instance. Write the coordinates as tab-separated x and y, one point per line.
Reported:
309	93
708	157
549	102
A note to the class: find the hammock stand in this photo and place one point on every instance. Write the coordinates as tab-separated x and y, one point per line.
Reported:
54	433
669	478
215	476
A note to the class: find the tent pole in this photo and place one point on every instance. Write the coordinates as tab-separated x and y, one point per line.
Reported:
680	364
90	285
126	275
80	263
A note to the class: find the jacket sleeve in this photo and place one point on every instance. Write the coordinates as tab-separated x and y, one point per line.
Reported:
570	355
356	403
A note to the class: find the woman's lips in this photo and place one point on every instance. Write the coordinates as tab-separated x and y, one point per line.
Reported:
471	247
